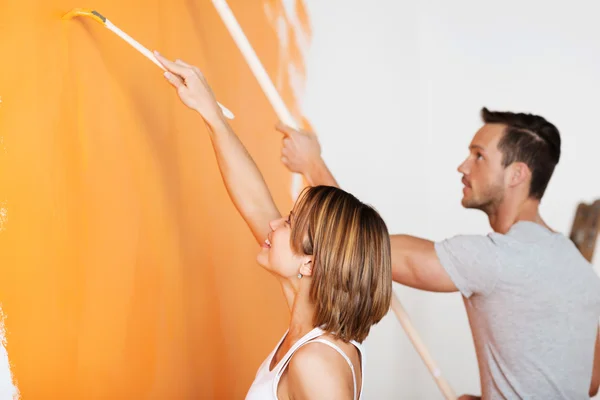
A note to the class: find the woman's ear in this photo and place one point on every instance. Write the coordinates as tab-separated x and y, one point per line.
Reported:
306	267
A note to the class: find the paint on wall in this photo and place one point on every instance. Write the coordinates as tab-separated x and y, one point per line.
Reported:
3	216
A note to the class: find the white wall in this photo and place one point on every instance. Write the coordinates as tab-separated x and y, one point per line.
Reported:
394	91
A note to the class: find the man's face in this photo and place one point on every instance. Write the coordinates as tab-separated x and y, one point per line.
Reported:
483	173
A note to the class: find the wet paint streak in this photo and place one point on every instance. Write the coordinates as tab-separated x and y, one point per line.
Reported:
289	20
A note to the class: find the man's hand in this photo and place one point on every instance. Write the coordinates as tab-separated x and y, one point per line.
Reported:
300	150
301	153
193	89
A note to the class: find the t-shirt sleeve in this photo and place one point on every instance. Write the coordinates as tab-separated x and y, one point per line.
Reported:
471	261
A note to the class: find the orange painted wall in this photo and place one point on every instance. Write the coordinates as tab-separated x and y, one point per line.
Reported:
125	272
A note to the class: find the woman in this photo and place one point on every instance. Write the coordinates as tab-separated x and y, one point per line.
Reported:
331	255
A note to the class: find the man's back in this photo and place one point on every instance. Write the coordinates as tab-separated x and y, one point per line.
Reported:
533	304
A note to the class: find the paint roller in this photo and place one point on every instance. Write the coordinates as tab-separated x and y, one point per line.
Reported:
286	117
261	76
96	16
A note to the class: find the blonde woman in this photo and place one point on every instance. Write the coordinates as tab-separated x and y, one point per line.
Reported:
331	255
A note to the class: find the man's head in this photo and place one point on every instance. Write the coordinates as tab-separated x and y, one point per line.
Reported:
511	155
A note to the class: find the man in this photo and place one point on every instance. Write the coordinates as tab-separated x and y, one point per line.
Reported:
532	300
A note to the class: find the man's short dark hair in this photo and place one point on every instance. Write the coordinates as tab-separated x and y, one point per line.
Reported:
529	139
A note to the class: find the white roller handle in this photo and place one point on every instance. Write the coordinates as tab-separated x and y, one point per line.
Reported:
260	74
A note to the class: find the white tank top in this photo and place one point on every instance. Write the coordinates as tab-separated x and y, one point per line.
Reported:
265	383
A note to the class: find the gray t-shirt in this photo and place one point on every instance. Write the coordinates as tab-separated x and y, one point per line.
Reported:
533	304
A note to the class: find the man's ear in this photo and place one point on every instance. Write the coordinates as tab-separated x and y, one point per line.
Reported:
519	173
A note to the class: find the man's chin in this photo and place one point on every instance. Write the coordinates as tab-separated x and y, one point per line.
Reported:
469	203
465	202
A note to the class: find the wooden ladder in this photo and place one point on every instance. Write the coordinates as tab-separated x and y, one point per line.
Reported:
584	232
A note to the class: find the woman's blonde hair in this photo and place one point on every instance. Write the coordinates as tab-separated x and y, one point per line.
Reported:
352	270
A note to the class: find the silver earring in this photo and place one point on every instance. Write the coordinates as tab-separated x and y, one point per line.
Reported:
299	276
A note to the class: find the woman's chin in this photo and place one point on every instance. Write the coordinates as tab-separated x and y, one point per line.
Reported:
263	258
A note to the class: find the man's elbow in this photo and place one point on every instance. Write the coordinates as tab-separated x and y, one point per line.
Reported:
594	389
401	271
397	273
404	274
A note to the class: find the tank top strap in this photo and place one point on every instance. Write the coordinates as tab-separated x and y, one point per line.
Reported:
316	332
336	348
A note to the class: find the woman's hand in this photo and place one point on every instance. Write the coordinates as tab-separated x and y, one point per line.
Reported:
192	88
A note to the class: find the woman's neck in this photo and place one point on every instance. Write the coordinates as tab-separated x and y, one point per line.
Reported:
302	310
